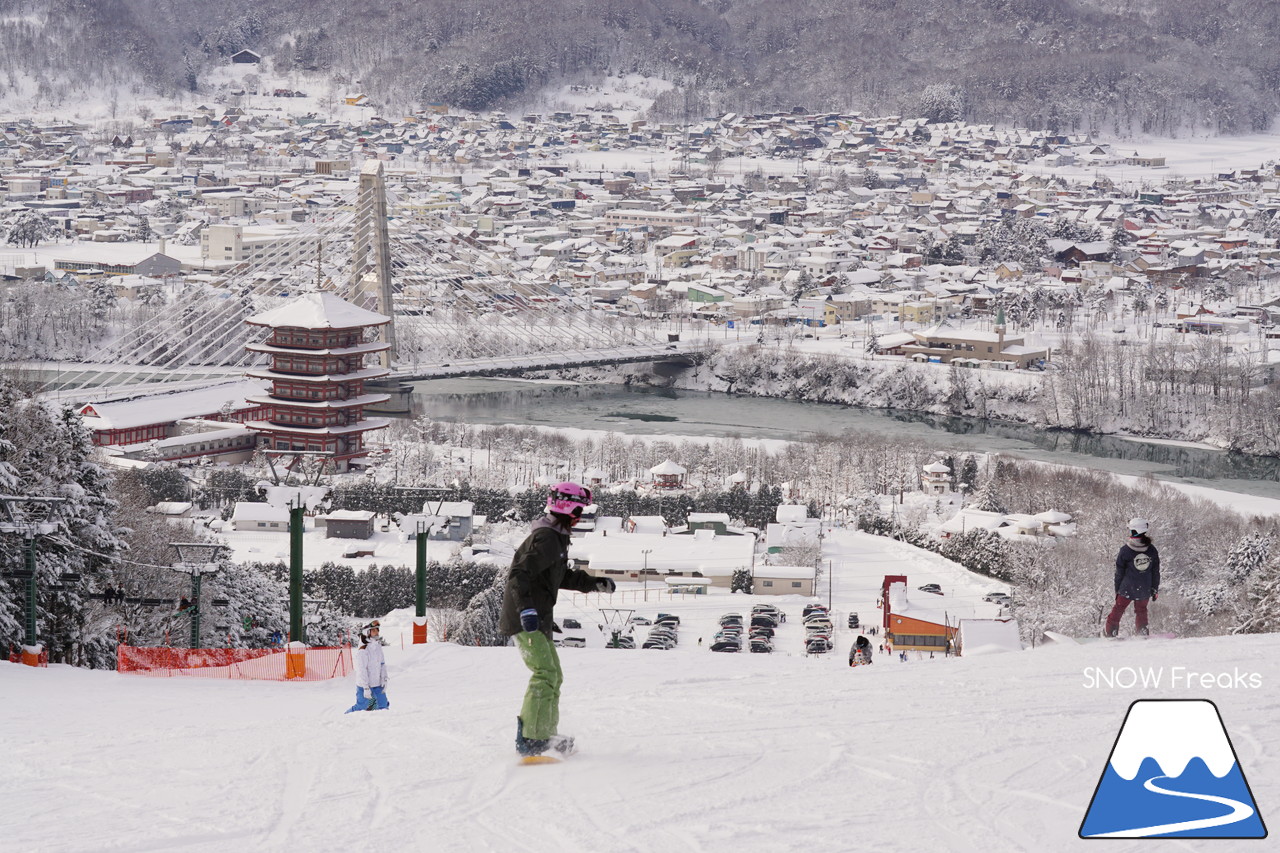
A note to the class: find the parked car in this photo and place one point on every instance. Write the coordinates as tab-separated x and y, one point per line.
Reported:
931	587
853	620
771	610
641	620
764	620
812	608
662	617
817	645
731	619
574	642
624	643
998	597
571	623
761	632
760	645
726	646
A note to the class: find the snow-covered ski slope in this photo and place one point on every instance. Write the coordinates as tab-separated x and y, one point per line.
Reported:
680	751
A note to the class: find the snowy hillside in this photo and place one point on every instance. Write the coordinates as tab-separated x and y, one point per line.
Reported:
679	751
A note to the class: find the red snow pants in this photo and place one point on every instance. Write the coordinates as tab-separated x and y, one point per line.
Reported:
1122	604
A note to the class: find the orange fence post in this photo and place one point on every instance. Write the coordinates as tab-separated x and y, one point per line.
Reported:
419	629
295	661
31	655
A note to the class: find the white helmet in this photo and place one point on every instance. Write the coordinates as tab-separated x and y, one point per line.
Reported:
1138	526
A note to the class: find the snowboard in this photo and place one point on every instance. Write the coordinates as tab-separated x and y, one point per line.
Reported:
539	759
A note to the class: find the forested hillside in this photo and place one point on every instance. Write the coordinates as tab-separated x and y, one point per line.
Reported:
1126	65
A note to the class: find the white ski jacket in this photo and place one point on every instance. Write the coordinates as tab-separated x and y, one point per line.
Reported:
370	665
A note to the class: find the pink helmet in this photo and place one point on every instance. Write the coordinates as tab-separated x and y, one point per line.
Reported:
568	499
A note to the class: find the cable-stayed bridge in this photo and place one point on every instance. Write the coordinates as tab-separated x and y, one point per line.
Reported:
458	308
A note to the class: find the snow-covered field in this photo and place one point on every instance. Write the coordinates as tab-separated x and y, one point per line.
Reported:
684	750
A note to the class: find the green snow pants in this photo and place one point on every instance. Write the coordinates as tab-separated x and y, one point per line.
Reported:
541	709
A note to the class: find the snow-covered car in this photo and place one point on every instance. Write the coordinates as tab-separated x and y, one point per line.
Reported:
761	646
771	610
624	643
997	597
817	645
641	620
574	642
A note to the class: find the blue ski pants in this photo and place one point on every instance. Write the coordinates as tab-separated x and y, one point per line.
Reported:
370	699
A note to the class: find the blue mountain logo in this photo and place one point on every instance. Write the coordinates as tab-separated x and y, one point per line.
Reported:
1173	773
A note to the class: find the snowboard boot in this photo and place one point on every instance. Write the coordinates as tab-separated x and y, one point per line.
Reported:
1143	631
528	746
1111	632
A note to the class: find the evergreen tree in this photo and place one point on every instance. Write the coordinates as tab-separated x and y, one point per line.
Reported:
987	498
741	581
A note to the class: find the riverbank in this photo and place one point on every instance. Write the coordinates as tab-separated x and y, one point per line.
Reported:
1051	400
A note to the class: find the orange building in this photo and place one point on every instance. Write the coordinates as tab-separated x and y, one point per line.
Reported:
914	632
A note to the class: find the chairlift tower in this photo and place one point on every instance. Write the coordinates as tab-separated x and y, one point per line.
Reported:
29	517
196	559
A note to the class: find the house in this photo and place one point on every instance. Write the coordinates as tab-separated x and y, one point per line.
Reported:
717	522
945	344
448	520
783	580
935	479
260	517
245	57
349	524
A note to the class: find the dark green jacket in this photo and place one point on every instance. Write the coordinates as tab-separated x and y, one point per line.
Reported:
539	570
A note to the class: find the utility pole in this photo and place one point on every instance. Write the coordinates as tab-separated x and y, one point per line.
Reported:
196	559
29	517
644	575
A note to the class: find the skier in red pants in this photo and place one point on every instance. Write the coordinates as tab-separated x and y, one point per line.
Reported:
1137	578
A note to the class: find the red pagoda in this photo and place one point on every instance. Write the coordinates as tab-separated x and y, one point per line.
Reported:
318	347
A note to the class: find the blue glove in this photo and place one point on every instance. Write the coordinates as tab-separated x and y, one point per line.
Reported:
605	585
529	620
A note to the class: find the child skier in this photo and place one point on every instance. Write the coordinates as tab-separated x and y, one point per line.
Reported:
1137	578
539	570
371	671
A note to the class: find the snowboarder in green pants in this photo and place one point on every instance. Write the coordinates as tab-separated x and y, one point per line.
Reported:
539	570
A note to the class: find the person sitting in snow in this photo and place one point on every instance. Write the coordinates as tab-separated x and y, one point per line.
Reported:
371	671
860	654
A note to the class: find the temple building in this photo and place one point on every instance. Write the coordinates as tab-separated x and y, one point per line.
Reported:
316	404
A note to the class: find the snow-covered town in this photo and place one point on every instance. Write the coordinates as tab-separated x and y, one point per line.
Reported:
251	336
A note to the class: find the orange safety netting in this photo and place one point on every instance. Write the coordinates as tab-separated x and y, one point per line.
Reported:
316	664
